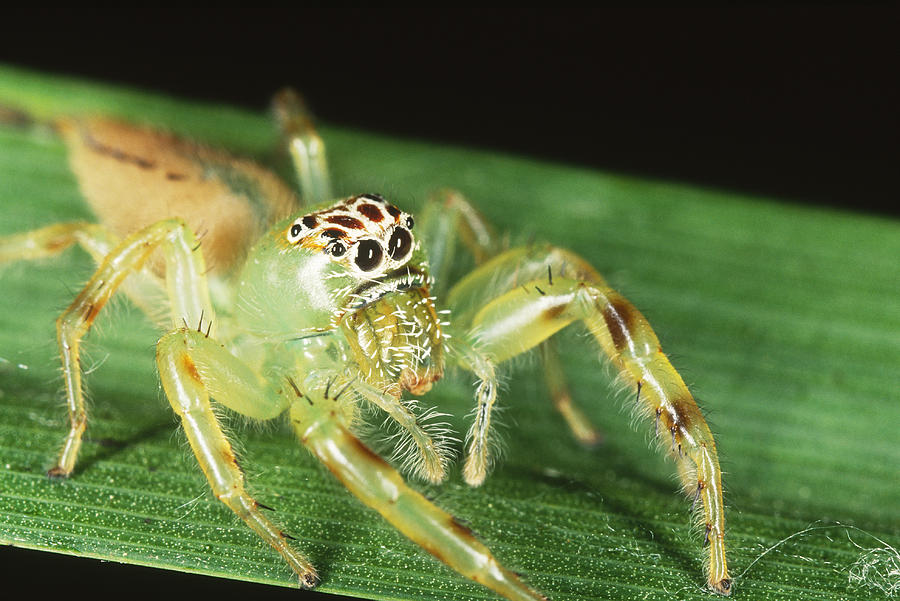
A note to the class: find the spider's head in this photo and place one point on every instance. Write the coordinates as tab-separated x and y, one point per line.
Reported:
365	234
312	268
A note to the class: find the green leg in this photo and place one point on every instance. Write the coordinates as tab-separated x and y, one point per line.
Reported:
186	286
306	147
497	275
526	312
447	218
321	424
581	427
479	454
143	288
193	366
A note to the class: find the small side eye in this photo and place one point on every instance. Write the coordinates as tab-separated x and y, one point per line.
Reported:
410	222
295	232
337	249
368	255
400	244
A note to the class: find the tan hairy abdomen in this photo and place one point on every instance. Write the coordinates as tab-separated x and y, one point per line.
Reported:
133	177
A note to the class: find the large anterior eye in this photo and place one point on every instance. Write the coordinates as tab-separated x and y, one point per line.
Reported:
368	254
400	243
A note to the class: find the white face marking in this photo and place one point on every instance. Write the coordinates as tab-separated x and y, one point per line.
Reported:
365	233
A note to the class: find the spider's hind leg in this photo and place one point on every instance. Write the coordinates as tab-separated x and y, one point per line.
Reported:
144	288
446	219
53	239
119	267
525	307
579	423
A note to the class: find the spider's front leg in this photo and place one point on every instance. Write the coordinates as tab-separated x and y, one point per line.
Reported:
541	291
192	367
448	218
323	425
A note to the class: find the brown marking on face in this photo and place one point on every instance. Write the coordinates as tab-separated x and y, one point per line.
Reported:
374	197
346	221
371	212
190	367
175	177
310	221
619	316
333	232
394	211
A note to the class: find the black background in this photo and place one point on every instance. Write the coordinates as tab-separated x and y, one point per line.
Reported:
796	103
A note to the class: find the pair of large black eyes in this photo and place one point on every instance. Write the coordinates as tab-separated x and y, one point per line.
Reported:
369	253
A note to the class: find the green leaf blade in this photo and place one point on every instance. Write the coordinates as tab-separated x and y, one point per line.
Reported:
784	320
